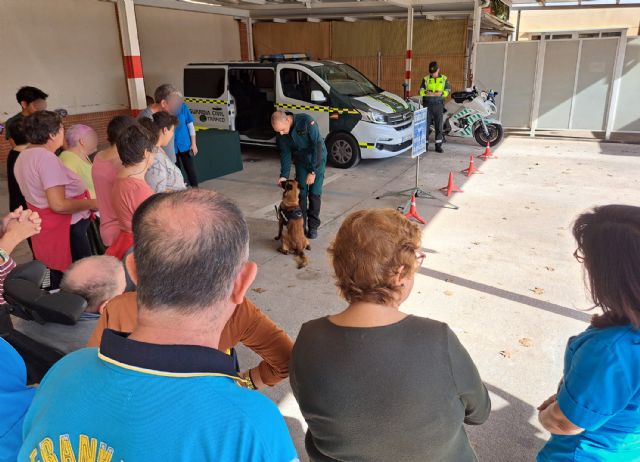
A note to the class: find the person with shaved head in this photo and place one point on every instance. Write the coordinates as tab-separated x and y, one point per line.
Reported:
97	279
299	140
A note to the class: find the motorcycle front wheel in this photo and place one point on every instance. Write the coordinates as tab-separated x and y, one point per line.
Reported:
494	138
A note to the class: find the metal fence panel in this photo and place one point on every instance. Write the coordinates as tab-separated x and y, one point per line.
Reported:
628	113
558	82
518	85
594	81
490	69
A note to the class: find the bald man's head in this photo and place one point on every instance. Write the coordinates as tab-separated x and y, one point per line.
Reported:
97	279
189	247
281	122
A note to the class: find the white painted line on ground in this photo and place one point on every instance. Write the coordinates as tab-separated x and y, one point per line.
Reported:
268	211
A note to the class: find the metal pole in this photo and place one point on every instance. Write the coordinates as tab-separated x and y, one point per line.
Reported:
537	86
407	76
378	71
250	39
475	39
615	86
518	26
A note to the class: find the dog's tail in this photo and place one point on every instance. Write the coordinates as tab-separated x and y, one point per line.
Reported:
301	259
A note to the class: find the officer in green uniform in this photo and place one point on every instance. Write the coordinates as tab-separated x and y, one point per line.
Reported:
300	142
434	89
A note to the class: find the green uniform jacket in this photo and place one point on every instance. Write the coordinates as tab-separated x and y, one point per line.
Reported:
303	146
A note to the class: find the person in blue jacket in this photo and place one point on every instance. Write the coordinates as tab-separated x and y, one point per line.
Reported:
300	142
595	415
184	139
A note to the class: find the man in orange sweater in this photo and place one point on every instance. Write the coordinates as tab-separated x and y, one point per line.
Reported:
248	325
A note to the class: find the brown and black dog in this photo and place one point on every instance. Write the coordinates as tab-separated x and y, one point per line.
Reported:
290	215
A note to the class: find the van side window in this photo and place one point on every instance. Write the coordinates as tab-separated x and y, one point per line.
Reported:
298	85
204	83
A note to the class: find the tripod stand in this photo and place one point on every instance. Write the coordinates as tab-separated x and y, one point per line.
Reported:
416	192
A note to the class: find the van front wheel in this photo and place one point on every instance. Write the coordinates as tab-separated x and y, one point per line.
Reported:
343	150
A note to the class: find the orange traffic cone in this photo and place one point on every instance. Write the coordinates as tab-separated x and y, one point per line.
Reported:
413	211
487	154
471	169
450	187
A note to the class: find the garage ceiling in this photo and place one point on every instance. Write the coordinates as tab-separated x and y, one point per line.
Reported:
320	9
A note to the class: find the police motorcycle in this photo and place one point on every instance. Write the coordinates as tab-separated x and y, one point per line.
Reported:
468	114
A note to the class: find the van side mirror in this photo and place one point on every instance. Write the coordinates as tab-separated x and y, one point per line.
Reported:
318	97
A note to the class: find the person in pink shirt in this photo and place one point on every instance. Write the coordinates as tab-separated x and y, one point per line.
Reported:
106	165
135	148
56	193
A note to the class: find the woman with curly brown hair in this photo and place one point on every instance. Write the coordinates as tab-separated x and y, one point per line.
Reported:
595	414
376	384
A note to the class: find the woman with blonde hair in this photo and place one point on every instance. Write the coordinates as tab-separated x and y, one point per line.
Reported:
374	383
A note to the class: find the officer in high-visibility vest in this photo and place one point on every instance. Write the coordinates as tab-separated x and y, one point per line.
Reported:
300	141
434	89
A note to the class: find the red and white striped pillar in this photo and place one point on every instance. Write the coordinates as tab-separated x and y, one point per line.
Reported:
407	76
131	55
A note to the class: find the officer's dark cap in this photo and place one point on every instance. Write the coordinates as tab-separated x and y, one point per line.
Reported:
433	66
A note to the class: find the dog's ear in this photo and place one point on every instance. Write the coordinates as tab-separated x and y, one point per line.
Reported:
288	186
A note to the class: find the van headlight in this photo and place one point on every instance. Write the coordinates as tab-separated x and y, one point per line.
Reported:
373	116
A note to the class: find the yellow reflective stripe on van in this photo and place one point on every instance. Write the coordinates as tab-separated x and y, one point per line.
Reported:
206	101
317	108
201	127
367	145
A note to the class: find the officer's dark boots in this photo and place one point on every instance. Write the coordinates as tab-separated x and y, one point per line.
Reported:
439	147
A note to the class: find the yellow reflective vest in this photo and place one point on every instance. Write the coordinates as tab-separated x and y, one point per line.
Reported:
440	83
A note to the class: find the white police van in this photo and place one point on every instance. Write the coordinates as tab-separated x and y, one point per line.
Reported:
357	118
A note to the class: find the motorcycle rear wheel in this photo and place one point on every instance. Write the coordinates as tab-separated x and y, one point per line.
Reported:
494	138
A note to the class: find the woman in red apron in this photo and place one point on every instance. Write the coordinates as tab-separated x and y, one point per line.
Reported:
56	193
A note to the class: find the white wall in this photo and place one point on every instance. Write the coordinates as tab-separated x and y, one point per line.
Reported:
170	39
68	48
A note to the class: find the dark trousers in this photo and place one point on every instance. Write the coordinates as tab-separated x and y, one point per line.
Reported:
80	248
185	159
435	118
310	206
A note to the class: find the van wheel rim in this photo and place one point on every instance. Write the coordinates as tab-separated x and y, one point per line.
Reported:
341	151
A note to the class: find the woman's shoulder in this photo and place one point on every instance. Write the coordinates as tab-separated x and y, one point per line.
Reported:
615	338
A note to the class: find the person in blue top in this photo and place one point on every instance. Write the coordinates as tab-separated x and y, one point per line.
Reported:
184	139
15	398
595	415
300	142
164	392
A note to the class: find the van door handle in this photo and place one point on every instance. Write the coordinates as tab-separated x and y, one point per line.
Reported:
217	108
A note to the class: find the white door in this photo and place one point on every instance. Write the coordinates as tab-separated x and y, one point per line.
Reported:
294	86
207	95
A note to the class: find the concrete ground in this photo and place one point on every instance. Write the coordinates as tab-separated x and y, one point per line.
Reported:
499	269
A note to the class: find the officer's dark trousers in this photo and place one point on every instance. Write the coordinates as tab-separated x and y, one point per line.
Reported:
434	116
185	159
310	196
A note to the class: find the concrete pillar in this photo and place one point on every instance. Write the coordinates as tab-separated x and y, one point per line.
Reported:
407	77
131	55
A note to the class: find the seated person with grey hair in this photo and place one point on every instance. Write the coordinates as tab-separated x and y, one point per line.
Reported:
97	279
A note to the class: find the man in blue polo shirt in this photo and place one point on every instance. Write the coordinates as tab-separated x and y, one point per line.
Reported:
165	392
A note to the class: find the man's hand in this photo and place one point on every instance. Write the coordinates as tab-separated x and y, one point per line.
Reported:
281	180
254	375
194	149
311	178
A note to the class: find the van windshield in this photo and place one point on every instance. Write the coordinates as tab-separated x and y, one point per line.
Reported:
346	80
